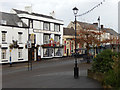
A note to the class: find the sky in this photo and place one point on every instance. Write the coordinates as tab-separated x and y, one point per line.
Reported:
108	11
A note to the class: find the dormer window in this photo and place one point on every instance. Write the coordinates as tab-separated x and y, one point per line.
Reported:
19	24
3	22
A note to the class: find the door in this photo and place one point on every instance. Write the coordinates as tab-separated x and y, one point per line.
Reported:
33	54
67	52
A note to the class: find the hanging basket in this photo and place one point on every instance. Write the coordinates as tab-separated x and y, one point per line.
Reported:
11	46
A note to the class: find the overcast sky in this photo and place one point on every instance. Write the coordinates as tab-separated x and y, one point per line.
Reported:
108	11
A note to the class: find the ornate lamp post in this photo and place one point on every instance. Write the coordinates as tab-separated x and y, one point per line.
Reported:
76	69
99	32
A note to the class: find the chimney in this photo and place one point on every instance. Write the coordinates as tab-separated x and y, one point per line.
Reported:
52	14
102	26
96	24
28	9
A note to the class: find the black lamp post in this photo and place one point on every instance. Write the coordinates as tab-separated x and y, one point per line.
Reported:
76	70
99	32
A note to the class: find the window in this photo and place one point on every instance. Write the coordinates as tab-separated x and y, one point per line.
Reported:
57	38
20	37
57	27
3	54
58	52
72	47
19	24
4	36
3	22
36	25
46	38
19	53
46	26
48	52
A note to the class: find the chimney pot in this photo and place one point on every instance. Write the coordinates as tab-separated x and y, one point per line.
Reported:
28	9
95	24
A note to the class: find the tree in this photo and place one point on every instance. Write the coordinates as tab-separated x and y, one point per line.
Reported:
90	38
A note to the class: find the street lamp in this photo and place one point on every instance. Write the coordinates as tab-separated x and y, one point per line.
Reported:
76	70
99	32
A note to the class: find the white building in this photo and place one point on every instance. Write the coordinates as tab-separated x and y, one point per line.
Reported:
16	28
13	38
45	32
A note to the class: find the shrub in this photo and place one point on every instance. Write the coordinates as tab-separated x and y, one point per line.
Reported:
103	61
112	77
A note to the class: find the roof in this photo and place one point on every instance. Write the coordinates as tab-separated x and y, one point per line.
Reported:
111	31
87	26
11	19
35	14
68	31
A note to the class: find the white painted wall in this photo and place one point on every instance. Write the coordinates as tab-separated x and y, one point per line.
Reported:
12	34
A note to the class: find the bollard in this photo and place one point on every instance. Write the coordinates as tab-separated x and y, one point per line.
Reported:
10	62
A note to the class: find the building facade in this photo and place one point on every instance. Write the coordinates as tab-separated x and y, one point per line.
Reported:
107	37
20	29
45	33
13	38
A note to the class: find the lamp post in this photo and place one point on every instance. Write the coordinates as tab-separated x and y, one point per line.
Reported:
99	32
76	70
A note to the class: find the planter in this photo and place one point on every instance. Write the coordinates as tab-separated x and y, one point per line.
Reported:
97	76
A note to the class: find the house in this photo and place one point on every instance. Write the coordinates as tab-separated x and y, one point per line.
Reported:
107	37
83	26
114	36
13	38
69	43
25	35
45	33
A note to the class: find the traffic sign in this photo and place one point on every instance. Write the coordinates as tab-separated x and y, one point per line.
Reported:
29	44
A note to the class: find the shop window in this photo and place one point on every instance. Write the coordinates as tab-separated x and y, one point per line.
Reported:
58	52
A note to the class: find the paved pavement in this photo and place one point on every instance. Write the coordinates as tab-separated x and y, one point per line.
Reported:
53	73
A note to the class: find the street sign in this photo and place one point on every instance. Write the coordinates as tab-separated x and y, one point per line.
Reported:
29	44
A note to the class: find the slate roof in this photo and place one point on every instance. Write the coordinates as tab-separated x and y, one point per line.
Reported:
11	19
87	26
35	14
68	31
111	31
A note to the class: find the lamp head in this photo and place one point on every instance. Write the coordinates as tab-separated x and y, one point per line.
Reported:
75	10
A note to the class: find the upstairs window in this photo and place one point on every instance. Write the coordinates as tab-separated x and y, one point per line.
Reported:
46	26
57	38
56	27
20	37
3	22
19	24
4	36
46	38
